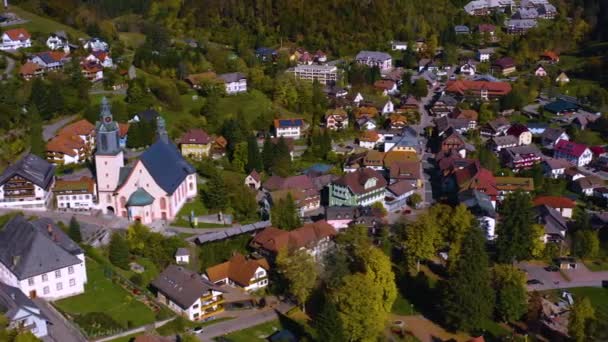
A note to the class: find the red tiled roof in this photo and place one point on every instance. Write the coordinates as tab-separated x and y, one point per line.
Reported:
570	148
195	136
29	68
355	181
80	127
274	239
301	182
384	84
554	201
462	86
476	177
18	34
550	55
369	136
65	144
237	268
123	129
255	175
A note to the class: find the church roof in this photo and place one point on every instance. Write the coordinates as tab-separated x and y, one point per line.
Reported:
166	165
140	198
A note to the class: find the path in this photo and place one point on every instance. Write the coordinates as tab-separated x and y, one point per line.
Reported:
426	330
59	329
49	130
580	277
10	65
243	320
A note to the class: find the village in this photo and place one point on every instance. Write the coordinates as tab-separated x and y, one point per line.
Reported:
193	200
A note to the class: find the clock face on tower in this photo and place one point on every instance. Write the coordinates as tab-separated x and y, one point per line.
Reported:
107	119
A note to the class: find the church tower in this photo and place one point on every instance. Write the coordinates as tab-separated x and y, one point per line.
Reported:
109	158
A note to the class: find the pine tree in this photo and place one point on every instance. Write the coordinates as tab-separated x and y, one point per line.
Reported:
268	153
328	323
119	251
215	194
282	159
254	158
37	146
468	297
516	233
74	230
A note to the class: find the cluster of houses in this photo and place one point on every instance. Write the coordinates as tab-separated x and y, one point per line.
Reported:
525	13
39	64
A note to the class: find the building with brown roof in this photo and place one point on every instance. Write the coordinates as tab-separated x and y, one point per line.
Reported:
238	271
507	185
563	205
187	293
315	238
336	119
505	65
195	143
409	171
30	70
396	121
483	90
195	80
369	139
75	195
82	129
387	87
15	39
366	111
363	187
301	188
64	150
549	57
475	177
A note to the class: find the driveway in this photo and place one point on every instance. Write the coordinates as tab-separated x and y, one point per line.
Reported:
579	277
59	328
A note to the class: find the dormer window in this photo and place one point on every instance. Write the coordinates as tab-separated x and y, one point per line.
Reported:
370	183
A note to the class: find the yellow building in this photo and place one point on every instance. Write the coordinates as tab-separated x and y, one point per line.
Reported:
195	144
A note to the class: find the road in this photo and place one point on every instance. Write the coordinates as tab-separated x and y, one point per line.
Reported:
243	320
10	65
59	329
49	130
426	166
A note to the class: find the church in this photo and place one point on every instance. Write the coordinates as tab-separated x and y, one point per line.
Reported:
154	188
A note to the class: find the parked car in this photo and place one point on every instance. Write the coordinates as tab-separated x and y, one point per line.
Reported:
552	268
534	282
197	330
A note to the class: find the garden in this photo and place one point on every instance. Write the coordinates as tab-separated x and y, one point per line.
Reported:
105	308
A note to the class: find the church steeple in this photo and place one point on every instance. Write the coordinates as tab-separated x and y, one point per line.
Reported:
108	132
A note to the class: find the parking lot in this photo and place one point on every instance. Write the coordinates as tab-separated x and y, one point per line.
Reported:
579	277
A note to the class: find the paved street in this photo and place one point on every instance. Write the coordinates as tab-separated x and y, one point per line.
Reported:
49	131
580	277
242	320
10	65
59	329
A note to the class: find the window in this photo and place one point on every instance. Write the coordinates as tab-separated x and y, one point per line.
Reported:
72	282
195	306
30	281
45	277
59	286
58	274
46	290
71	270
163	203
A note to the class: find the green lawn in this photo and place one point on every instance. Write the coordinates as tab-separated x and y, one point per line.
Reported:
102	295
402	306
257	333
597	265
127	338
38	24
598	297
132	40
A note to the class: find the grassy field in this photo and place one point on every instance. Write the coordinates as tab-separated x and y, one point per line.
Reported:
598	297
257	333
38	24
402	306
132	40
102	295
597	265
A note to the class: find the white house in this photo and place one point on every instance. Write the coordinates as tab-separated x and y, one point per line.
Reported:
468	68
378	59
253	180
187	293
96	44
540	71
27	184
555	168
398	46
15	39
235	82
247	274
389	107
40	259
58	41
21	311
75	195
289	128
100	57
575	153
182	256
396	195
483	55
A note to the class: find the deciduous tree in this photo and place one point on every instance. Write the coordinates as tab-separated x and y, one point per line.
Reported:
586	244
510	286
515	232
420	240
119	251
582	312
300	271
328	323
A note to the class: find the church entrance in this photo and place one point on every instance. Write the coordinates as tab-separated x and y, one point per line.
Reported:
110	210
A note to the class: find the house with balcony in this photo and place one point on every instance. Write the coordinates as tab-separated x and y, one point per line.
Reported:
27	184
363	187
75	195
336	119
187	293
555	168
82	129
58	41
236	82
315	238
39	259
521	157
325	74
553	222
65	150
575	153
300	188
507	185
15	39
504	141
288	128
249	275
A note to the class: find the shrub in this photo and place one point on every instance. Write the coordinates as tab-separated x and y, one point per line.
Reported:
98	324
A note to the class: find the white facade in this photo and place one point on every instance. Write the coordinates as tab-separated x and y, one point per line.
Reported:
40	200
236	87
258	281
54	285
8	44
289	132
325	74
368	144
398	46
182	259
75	201
389	107
582	160
30	317
106	62
96	44
55	42
194	311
